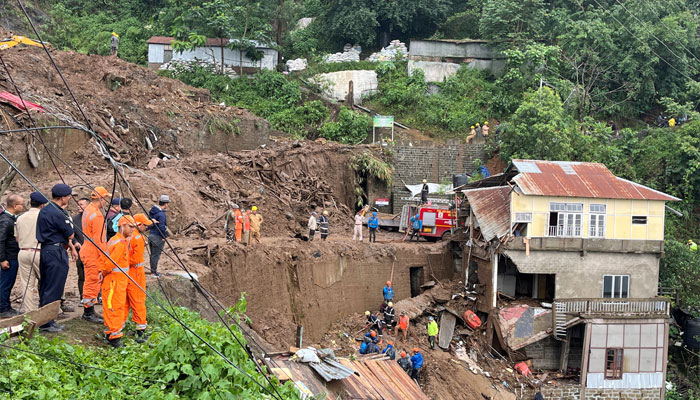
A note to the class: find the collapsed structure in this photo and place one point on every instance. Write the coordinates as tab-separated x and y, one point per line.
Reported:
565	257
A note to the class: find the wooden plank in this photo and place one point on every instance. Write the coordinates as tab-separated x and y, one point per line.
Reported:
38	317
282	374
447	329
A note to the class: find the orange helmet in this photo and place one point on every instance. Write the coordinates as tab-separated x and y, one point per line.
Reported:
373	334
388	283
403	354
416	349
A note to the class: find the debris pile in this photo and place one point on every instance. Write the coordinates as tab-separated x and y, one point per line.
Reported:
395	51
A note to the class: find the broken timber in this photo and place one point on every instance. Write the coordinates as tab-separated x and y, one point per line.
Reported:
35	318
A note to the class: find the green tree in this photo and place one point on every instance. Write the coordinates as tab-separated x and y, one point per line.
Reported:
539	129
513	20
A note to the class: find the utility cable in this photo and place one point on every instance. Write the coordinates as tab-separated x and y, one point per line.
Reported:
43	45
178	262
77	364
204	341
641	41
642	23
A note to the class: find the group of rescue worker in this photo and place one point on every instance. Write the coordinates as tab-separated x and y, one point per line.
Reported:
242	226
377	326
108	246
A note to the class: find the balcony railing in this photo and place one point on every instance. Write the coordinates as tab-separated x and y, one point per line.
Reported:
564	231
566	312
615	307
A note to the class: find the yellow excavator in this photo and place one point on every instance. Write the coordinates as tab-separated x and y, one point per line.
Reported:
15	40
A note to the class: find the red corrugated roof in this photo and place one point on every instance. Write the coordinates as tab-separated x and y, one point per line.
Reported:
491	206
579	179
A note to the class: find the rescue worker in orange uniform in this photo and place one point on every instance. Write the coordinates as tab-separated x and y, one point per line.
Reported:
239	224
94	227
115	280
135	295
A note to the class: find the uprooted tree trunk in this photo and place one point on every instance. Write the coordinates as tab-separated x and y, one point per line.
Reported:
6	180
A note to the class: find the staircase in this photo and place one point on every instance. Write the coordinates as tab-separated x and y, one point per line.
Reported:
560	320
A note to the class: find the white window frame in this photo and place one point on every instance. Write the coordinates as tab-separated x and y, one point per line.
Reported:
621	281
522	217
569	219
597	220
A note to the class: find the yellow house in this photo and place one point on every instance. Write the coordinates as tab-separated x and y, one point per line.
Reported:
583	200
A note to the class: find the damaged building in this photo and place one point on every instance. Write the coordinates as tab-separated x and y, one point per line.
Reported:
565	259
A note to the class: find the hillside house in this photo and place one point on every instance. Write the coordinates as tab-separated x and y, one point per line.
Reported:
160	51
565	257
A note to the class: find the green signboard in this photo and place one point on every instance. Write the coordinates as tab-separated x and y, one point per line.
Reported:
383	121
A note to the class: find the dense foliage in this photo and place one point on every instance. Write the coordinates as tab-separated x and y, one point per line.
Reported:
171	365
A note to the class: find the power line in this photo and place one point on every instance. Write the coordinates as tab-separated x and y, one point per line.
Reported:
642	41
650	31
184	326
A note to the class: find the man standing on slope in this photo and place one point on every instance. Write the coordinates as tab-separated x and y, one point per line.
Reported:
158	231
135	295
54	233
9	251
373	225
115	281
256	221
94	227
25	230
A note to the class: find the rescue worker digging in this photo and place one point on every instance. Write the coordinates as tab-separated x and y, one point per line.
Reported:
135	295
93	228
115	281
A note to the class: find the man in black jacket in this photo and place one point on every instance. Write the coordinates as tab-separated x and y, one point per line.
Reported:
78	241
9	249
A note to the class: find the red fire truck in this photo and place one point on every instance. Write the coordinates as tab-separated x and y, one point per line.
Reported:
437	222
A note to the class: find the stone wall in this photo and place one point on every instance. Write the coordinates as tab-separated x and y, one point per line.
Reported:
573	392
434	162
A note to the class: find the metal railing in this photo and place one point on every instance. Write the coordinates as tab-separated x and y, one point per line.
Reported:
611	307
564	231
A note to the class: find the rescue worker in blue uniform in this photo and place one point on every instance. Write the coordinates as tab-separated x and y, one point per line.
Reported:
54	232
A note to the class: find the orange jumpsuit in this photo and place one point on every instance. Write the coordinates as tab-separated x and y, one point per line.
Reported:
114	286
94	228
239	224
135	296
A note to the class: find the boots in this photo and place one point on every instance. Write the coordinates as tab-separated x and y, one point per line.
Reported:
89	314
116	343
141	336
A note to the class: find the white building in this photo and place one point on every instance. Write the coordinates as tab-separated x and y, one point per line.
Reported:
160	51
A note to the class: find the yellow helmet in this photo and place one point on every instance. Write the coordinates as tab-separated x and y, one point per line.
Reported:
254	208
471	127
486	122
477	124
115	34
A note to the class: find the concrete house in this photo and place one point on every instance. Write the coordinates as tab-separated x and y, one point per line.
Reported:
565	258
160	51
441	58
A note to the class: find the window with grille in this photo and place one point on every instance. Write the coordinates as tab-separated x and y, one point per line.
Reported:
523	217
565	219
613	364
596	227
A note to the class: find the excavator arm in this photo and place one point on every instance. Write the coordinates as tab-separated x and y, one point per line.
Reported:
15	40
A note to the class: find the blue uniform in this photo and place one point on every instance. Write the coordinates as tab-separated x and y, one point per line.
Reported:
388	294
373	222
417	361
53	231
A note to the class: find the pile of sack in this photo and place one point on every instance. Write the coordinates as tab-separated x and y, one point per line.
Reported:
396	50
298	64
350	53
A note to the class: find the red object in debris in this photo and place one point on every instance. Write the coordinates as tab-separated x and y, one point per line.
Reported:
17	102
523	369
471	319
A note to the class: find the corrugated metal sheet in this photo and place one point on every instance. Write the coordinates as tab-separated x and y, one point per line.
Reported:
330	369
491	207
579	179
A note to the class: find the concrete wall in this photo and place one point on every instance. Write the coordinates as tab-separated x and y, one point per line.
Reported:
436	71
464	49
364	83
573	392
582	276
231	57
436	163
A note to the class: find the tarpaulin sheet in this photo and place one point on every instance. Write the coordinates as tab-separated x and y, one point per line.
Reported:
432	188
17	102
